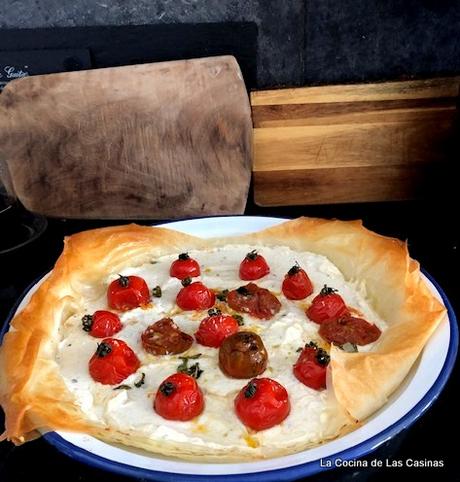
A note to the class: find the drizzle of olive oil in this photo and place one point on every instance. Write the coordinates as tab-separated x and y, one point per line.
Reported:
251	441
200	428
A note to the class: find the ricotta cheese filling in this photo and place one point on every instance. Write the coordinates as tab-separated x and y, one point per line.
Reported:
314	415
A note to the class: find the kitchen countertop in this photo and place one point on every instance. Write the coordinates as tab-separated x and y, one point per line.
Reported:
433	239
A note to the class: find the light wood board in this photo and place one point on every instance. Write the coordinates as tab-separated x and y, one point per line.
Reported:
352	143
163	140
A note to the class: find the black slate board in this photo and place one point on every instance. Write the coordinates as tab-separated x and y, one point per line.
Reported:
129	45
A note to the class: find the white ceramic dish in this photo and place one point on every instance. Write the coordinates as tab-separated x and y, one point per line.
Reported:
420	388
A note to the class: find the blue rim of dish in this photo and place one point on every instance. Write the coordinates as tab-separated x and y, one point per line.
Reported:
275	475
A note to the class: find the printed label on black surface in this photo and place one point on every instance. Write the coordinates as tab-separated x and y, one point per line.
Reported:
18	64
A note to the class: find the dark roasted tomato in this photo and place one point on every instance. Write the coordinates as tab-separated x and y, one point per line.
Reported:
215	328
258	302
113	362
102	324
311	366
328	305
195	296
243	355
297	284
253	267
262	403
184	267
128	292
165	338
179	398
349	329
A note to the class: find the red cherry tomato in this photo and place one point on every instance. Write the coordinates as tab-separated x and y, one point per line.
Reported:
215	328
184	267
297	284
179	398
113	362
253	267
262	403
195	296
327	306
311	367
128	292
102	324
349	329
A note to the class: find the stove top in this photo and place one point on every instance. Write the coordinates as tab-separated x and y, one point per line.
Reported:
19	227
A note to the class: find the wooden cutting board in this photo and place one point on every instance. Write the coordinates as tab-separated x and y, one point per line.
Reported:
353	143
163	140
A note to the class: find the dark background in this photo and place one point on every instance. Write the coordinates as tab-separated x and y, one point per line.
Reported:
291	42
298	41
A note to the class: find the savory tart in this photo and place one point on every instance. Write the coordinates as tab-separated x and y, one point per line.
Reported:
219	349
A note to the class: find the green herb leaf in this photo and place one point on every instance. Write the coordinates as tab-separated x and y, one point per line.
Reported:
194	370
123	387
191	357
239	319
182	368
222	295
141	381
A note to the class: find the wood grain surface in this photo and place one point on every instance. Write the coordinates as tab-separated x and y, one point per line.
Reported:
163	140
353	143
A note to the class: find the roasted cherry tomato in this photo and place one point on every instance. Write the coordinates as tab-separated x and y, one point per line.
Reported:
215	328
184	267
256	301
253	267
262	403
310	368
113	362
195	296
179	398
243	355
349	329
297	284
128	292
328	305
102	324
165	338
